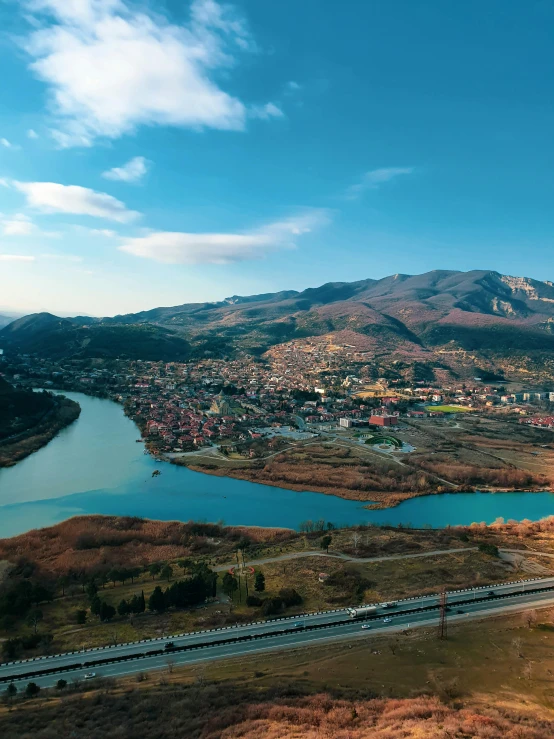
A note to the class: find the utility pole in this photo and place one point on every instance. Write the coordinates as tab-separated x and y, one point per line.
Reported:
442	617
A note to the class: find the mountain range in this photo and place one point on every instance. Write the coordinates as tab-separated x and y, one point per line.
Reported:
480	312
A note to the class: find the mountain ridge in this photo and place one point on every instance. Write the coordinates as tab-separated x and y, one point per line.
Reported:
478	310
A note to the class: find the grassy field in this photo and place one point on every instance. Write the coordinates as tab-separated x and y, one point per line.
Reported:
501	657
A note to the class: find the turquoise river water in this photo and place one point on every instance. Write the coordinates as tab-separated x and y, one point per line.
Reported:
96	466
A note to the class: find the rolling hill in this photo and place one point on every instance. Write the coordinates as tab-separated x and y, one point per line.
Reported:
50	336
480	312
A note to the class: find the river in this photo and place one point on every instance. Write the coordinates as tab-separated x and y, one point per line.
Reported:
96	466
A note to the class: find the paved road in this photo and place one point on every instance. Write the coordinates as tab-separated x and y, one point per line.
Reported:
303	636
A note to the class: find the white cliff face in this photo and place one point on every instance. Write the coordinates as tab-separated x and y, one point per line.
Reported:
502	307
525	285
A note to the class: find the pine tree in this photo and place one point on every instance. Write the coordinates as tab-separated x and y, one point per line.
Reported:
259	582
156	602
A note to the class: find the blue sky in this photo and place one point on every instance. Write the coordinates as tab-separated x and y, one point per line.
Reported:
169	152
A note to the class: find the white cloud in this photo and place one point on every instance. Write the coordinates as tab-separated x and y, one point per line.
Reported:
293	86
107	232
51	197
133	171
31	134
17	225
223	248
6	144
375	178
265	112
111	68
15	258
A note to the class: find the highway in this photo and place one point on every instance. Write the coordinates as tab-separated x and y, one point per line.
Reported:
285	633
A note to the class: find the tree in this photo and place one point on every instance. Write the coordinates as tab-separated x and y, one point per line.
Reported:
156	602
325	542
107	612
154	570
123	608
81	616
114	575
32	690
61	684
91	590
229	584
137	604
530	618
11	692
34	618
95	605
487	548
63	582
259	582
11	648
40	594
290	597
166	572
270	606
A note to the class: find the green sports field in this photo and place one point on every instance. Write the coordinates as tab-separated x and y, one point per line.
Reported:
449	408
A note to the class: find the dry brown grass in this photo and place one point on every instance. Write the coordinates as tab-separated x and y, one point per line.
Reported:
85	542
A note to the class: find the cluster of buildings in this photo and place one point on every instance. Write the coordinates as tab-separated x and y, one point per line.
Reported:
307	386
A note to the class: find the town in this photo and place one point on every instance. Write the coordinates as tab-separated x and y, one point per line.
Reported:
296	391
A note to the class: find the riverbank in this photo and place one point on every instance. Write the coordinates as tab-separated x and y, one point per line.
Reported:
63	413
331	482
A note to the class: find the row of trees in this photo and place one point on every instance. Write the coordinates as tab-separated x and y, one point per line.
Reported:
17	600
185	593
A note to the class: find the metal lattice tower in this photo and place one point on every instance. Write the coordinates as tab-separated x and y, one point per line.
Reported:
442	617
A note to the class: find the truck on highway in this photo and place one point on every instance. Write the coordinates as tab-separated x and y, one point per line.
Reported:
391	604
362	612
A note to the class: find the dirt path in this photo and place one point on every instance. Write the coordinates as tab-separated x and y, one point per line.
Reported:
346	557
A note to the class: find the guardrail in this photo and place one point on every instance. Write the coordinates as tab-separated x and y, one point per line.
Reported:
245	637
311	614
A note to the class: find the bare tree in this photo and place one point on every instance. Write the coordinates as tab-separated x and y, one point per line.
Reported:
356	540
530	618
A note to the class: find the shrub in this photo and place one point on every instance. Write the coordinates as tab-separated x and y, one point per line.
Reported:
253	601
290	597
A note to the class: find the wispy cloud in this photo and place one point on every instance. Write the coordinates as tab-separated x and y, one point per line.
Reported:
265	112
176	247
72	258
17	225
132	171
51	197
16	258
32	134
111	68
6	144
375	178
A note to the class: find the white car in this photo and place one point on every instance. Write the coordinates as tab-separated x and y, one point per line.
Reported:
387	620
366	626
89	675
